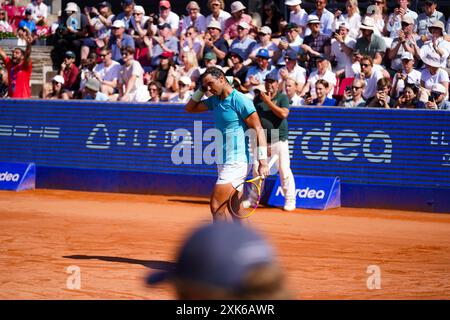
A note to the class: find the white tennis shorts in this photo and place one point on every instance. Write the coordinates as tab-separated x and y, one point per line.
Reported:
234	173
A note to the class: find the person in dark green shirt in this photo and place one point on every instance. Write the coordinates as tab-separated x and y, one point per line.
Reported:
273	110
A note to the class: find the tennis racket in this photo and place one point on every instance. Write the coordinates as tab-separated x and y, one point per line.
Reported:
242	204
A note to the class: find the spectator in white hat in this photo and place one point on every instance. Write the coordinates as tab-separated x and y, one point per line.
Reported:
405	42
370	44
55	90
218	13
265	41
139	25
243	42
406	75
437	99
437	43
237	16
316	44
297	15
394	24
342	46
352	18
326	18
184	91
193	19
433	73
215	43
119	39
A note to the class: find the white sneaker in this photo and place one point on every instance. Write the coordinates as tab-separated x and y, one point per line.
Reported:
289	206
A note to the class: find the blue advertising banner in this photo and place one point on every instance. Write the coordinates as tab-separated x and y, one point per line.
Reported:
17	176
310	192
385	158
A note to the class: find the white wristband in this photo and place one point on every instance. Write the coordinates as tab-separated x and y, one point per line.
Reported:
197	95
262	153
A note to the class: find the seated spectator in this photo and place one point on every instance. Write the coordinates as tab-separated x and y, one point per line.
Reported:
39	11
325	16
127	13
237	70
86	72
93	91
165	73
437	43
193	42
69	71
271	17
189	68
429	16
119	39
131	83
99	20
4	25
184	91
395	18
138	26
370	44
19	68
243	42
290	88
217	13
352	18
22	35
164	42
297	15
215	43
316	44
437	99
433	73
323	72
354	68
370	75
257	74
107	72
70	34
265	41
405	42
292	70
55	91
232	23
409	98
292	40
407	75
155	89
322	89
353	95
193	19
28	23
381	99
342	46
166	15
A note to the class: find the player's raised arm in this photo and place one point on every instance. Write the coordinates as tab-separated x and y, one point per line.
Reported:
194	104
253	122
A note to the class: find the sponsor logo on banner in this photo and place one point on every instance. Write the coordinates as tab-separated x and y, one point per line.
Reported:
6	176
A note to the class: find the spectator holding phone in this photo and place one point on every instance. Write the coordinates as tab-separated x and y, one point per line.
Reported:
395	19
322	88
352	18
353	95
406	75
409	98
437	100
382	98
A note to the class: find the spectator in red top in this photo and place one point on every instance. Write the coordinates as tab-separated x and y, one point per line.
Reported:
69	72
19	71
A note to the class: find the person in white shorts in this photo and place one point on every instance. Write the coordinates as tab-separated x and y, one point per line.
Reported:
234	113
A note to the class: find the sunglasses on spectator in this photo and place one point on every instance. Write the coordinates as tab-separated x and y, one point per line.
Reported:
181	84
163	8
103	55
153	89
262	34
356	88
125	53
215	4
365	65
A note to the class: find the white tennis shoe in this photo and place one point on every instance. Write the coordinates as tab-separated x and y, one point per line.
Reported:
289	206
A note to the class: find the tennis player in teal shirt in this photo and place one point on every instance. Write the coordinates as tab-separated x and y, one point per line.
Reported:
234	114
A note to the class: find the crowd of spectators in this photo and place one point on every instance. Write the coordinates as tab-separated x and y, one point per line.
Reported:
375	57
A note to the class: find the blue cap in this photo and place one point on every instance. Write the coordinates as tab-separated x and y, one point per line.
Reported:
127	2
238	53
219	255
272	76
291	54
263	53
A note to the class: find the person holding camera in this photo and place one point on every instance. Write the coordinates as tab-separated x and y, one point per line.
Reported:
342	46
408	98
353	95
382	98
437	100
322	89
402	10
407	75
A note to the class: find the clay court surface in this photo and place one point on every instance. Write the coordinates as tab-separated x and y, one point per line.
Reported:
117	239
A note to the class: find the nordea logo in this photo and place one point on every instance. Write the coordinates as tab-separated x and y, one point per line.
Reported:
305	193
6	176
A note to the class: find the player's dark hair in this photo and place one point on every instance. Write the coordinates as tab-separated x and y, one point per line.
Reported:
213	71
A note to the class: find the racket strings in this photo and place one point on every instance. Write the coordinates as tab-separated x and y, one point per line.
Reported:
243	204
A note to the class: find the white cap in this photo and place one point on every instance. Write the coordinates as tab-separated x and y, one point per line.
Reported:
345	25
237	6
186	80
265	30
437	87
312	18
58	79
139	9
407	55
368	23
292	2
118	24
244	25
71	6
215	25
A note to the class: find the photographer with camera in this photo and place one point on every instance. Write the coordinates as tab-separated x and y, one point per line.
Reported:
436	99
407	75
353	95
382	98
